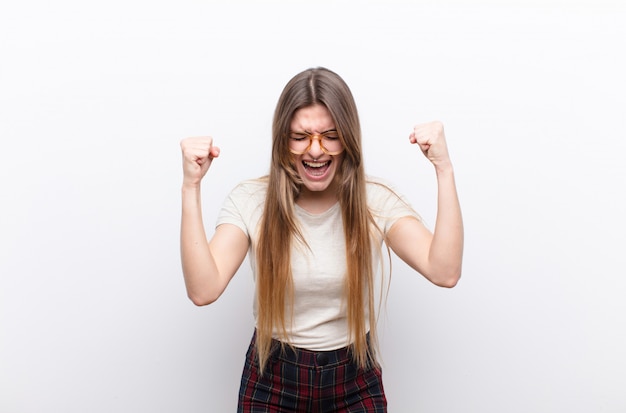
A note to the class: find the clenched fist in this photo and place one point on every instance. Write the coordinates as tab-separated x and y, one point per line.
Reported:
432	141
198	153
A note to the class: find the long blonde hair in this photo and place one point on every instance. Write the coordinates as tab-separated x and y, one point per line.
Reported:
279	227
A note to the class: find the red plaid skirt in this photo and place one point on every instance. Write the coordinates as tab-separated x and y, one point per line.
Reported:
309	381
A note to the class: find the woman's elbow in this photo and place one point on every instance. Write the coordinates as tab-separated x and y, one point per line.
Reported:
448	279
201	300
449	282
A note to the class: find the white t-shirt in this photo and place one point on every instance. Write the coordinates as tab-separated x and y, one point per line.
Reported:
319	315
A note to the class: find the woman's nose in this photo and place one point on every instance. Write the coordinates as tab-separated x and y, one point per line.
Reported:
315	149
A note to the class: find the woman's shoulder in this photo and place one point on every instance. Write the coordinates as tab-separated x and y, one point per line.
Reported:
375	185
249	190
250	186
383	194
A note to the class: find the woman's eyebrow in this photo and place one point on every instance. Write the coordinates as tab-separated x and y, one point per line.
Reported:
311	133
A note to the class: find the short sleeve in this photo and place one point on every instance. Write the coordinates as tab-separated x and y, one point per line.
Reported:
243	206
387	205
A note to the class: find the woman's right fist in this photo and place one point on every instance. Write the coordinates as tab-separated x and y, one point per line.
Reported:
198	153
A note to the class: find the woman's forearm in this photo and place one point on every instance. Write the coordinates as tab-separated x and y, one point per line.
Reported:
446	250
199	268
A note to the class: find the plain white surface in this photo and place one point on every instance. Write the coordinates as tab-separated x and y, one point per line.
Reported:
94	99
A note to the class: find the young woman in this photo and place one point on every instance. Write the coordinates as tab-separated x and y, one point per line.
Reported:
314	229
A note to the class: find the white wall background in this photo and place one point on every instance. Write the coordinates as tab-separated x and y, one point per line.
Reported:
94	99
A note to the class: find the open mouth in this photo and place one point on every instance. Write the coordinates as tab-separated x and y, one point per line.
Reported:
316	168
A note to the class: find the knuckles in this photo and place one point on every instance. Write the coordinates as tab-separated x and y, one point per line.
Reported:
196	146
432	127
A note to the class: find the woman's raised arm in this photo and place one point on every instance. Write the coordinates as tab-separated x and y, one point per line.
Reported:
437	256
208	266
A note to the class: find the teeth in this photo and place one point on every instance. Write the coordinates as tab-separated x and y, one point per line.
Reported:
315	164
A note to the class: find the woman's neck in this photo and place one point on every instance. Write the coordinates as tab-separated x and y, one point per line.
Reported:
317	202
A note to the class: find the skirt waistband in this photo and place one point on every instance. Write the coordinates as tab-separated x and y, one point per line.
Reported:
308	358
302	357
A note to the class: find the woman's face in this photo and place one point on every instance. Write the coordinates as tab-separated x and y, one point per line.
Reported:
319	152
